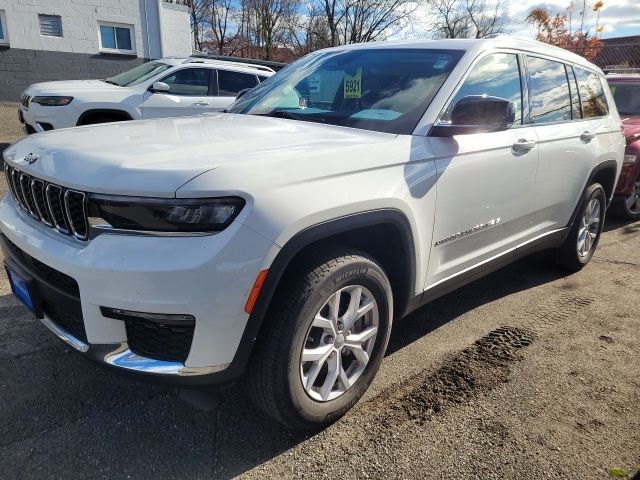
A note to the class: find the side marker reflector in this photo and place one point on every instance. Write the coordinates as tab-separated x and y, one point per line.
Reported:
255	291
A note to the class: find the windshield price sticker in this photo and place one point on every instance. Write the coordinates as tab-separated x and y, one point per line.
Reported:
353	85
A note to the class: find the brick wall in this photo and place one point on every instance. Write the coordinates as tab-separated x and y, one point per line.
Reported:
21	67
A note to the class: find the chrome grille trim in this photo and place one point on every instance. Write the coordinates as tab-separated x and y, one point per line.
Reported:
79	231
25	188
45	216
60	208
59	220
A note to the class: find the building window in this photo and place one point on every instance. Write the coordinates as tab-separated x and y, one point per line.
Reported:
4	35
116	38
50	25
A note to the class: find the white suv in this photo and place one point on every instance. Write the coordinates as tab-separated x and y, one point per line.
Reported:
170	87
279	241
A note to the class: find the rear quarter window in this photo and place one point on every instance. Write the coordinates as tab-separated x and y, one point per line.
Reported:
592	97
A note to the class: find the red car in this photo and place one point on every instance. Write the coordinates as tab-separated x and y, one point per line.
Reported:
626	93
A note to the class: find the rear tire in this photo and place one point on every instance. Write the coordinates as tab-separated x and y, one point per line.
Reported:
313	315
628	208
582	240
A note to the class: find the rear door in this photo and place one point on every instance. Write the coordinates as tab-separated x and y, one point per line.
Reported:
190	93
230	83
484	179
569	112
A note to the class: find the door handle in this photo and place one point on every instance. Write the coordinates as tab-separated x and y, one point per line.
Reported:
201	103
587	136
523	145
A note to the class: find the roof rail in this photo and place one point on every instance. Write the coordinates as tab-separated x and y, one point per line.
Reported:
265	65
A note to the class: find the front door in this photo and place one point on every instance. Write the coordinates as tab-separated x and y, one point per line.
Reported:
484	179
190	93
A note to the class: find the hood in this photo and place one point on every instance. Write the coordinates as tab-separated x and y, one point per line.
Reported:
71	87
157	157
631	126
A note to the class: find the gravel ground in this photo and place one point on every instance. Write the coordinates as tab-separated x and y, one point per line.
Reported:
525	374
10	129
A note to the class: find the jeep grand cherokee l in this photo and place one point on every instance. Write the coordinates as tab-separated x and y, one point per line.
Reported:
280	240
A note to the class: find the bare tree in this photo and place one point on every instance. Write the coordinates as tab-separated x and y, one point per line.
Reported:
197	14
309	30
221	16
469	18
370	20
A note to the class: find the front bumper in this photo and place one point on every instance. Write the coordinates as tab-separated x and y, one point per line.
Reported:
207	277
38	119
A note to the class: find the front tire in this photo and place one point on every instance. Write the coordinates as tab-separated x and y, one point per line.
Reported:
324	338
582	240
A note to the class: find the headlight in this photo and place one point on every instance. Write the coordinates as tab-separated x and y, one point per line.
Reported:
629	159
164	215
52	101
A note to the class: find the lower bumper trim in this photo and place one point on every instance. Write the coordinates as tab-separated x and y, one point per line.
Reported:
65	336
123	357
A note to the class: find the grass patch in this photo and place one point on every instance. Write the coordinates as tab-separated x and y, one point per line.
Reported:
617	472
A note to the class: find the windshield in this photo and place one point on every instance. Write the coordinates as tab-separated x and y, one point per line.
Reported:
139	74
626	96
385	89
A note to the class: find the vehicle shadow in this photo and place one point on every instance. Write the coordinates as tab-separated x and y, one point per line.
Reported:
626	227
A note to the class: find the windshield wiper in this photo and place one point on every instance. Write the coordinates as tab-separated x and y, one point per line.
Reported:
294	116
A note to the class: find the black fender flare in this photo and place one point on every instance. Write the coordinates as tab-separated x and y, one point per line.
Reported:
607	164
99	111
315	233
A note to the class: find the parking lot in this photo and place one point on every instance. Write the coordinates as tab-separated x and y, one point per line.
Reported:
528	373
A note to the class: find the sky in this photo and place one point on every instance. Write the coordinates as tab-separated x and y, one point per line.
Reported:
618	17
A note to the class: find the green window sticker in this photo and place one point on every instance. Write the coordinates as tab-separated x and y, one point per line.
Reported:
353	85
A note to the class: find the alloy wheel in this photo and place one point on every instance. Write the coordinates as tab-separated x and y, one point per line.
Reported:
339	343
589	228
632	202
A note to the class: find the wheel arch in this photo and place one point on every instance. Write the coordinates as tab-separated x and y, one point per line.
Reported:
605	171
351	231
103	111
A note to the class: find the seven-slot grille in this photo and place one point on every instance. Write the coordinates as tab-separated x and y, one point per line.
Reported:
57	207
24	99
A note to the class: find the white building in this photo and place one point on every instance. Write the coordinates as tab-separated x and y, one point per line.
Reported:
44	40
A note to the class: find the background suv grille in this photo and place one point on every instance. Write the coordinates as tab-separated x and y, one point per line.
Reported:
24	100
57	207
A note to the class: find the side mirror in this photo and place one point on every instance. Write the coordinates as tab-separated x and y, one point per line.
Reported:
160	87
243	92
477	114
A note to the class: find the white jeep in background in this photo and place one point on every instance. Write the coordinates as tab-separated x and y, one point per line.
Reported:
280	240
170	87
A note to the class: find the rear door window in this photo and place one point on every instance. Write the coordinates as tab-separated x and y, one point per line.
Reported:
551	101
231	83
592	98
